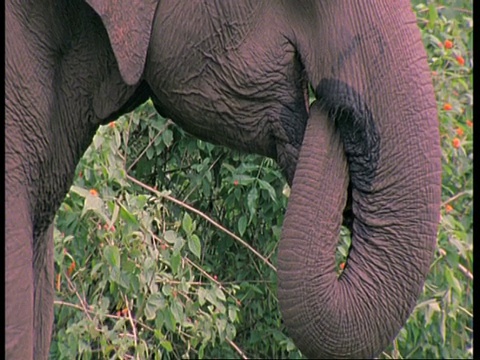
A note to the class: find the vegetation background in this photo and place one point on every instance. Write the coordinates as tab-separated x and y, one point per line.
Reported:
148	266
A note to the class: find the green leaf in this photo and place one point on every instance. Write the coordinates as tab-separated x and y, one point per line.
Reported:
97	141
187	223
167	345
167	137
170	236
177	311
155	302
95	204
201	293
271	191
112	255
219	294
80	191
150	153
232	313
242	225
433	15
195	246
453	281
127	216
175	261
252	201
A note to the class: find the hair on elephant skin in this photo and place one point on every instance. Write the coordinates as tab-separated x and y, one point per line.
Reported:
236	73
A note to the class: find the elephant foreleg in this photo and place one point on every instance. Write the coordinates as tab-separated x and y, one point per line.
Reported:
43	288
18	280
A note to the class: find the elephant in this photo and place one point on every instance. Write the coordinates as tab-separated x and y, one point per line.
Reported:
238	73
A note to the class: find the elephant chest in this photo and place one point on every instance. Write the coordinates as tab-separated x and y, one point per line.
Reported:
219	80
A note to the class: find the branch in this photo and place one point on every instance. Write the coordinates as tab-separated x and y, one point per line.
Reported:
466	192
462	268
210	220
237	349
160	132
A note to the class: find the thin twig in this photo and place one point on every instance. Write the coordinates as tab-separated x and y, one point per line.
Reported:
160	132
115	317
201	214
134	328
84	306
462	268
199	268
237	349
466	192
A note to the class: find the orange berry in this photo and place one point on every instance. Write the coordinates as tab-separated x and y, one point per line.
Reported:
456	143
93	192
459	131
111	124
460	60
447	106
448	44
342	266
469	123
448	208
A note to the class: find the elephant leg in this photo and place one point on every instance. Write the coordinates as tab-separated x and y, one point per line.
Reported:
18	279
44	292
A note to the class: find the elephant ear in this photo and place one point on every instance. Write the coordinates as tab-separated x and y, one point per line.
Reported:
128	24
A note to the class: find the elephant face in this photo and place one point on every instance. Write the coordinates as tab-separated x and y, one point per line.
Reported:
236	73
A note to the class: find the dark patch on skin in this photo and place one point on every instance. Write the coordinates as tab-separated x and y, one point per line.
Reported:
346	54
293	121
357	130
371	36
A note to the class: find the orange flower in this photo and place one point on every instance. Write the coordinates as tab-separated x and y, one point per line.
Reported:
469	123
447	106
71	268
459	131
448	208
448	44
93	192
456	143
460	60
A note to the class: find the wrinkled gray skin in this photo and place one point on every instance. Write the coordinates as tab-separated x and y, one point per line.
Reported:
235	73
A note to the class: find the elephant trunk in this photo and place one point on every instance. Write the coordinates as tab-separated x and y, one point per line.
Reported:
374	123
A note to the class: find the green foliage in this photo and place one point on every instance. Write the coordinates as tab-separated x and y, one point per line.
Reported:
143	272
